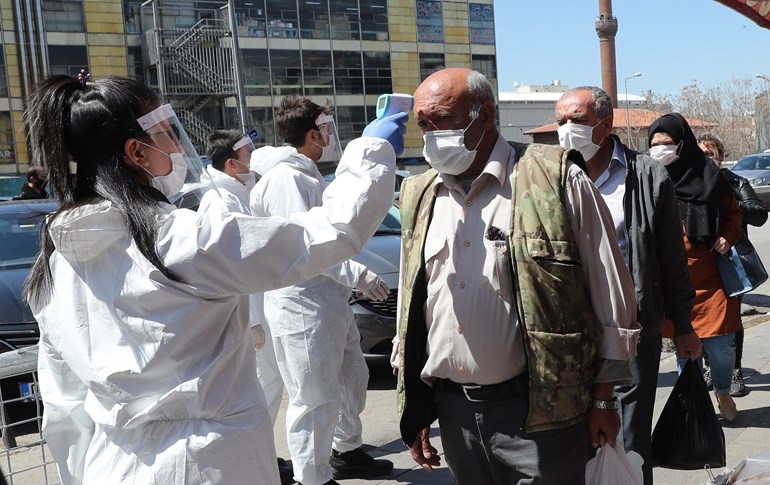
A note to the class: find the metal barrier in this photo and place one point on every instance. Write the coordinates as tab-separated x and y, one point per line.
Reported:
24	456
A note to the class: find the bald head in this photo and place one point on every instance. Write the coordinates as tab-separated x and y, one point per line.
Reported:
459	99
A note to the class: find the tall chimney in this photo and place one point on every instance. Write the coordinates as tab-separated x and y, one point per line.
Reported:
606	28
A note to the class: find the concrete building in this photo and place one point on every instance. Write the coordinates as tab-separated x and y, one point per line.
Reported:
342	52
528	107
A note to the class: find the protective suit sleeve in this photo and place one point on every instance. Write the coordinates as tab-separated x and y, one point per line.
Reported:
66	426
225	253
346	273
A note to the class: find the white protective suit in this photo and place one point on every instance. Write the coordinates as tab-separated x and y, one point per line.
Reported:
149	381
316	340
236	196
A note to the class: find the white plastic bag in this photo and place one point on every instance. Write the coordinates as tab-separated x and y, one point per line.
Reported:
613	466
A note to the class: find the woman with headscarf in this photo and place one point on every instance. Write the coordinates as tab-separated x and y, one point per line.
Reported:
711	221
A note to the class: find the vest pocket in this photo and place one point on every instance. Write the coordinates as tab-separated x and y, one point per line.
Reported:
561	359
501	267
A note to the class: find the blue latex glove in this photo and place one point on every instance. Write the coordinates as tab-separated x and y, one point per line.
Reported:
391	128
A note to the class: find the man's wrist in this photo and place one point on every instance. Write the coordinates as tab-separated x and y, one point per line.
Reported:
611	404
604	391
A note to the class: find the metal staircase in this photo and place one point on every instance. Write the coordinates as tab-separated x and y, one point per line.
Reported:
194	68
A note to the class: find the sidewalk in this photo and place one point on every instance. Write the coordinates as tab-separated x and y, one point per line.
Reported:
748	436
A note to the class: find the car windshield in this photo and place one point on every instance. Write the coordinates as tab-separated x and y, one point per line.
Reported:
753	162
19	239
392	222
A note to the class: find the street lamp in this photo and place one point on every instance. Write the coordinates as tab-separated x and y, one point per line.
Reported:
628	118
766	118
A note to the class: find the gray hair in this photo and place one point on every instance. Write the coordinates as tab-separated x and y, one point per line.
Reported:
602	100
480	91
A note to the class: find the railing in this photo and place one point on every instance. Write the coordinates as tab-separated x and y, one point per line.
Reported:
24	456
198	129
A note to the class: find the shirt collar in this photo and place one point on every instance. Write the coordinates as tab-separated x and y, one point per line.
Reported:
618	153
497	166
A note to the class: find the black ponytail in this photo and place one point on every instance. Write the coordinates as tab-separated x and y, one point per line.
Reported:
87	124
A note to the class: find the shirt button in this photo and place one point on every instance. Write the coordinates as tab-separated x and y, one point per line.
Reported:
462	285
461	369
467	243
469	203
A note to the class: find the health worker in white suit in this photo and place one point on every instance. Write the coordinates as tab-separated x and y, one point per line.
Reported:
317	343
144	370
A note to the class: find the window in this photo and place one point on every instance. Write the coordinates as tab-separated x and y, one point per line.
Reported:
348	72
351	121
314	20
481	20
256	72
63	15
7	154
132	16
135	64
345	20
3	77
286	72
282	19
67	59
430	63
430	21
374	20
317	72
250	18
485	65
377	73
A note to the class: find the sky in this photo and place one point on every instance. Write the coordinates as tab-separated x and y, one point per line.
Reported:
671	42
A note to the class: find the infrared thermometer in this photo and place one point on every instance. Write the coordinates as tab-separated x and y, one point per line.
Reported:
390	104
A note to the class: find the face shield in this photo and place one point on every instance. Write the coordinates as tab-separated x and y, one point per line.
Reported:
332	152
188	180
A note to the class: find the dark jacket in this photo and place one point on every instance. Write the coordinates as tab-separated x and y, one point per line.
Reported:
754	210
28	193
656	255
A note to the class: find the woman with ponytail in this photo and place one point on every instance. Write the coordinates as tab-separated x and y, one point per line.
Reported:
146	367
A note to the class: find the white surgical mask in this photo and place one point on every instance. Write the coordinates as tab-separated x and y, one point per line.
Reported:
445	150
249	179
171	183
579	137
665	154
329	152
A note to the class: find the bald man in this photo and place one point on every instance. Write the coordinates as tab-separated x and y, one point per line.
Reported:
517	315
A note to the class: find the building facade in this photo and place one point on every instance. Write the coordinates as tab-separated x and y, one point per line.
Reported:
209	61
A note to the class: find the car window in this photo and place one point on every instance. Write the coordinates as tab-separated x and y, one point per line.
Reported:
19	239
753	162
392	222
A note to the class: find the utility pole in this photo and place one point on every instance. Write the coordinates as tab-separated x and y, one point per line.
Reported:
606	28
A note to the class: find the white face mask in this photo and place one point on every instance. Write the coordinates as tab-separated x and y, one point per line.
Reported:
171	183
329	152
249	179
665	154
445	150
579	137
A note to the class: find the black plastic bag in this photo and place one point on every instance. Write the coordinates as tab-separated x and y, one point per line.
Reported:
688	435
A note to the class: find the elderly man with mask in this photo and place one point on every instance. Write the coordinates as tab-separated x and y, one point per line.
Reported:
517	312
644	209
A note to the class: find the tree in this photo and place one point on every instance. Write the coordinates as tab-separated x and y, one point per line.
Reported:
726	109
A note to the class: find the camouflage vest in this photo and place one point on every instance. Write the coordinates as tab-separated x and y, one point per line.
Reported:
558	324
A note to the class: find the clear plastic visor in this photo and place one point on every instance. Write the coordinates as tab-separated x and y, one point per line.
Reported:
328	129
246	141
166	133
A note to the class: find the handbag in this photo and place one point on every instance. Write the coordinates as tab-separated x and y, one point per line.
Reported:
741	268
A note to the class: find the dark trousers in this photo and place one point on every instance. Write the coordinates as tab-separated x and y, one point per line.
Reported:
637	401
484	444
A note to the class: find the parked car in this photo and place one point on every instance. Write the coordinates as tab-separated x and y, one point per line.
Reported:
755	168
376	320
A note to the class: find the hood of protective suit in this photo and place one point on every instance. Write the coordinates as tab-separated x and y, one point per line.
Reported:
267	157
84	232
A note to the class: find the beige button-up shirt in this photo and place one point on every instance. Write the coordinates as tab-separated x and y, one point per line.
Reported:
473	328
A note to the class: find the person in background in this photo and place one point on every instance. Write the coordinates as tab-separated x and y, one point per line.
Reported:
517	313
34	188
230	155
711	222
645	211
317	343
145	372
754	213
